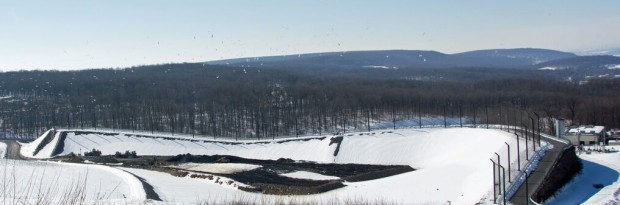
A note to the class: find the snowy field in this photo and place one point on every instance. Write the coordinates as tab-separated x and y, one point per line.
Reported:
220	168
34	182
309	175
452	164
598	168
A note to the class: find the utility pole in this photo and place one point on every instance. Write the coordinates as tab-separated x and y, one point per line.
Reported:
533	133
518	154
527	191
508	160
499	162
494	190
527	158
538	124
504	183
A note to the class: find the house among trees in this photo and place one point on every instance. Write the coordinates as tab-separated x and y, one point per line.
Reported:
586	135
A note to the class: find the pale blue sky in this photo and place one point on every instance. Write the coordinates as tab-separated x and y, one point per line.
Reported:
119	33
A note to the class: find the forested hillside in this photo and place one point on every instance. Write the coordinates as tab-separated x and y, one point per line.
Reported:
238	102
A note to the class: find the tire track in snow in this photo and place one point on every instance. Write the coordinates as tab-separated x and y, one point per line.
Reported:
200	145
179	143
104	138
119	139
135	138
92	141
157	141
243	147
77	143
222	146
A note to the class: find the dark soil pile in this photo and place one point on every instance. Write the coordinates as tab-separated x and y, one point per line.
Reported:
268	180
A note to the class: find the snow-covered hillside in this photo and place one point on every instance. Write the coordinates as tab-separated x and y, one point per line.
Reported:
598	168
29	149
415	147
452	163
33	182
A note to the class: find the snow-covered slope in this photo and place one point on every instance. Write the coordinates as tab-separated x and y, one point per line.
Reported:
2	150
313	149
27	182
452	164
28	149
598	168
415	147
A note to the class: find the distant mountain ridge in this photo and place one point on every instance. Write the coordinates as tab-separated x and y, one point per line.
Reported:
582	62
611	52
394	59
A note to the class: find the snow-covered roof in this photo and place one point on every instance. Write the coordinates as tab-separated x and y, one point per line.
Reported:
586	129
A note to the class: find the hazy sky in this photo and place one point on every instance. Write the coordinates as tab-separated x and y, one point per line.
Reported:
119	33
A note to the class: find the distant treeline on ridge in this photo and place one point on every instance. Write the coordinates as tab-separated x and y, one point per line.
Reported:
234	102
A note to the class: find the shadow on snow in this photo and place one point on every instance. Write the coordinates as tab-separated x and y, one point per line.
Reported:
583	186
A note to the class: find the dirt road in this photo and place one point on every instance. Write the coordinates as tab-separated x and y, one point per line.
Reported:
13	148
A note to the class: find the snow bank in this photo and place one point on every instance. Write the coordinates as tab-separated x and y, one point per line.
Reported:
218	168
308	175
2	150
29	181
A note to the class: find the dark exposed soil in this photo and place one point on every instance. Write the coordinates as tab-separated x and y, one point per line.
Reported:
266	179
59	148
336	140
283	165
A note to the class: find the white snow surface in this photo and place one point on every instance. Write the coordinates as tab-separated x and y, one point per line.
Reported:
308	175
27	149
587	129
2	150
379	66
452	164
187	190
26	182
218	168
598	168
312	149
47	150
613	67
548	68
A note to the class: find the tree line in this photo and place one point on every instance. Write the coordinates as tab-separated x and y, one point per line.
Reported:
257	103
